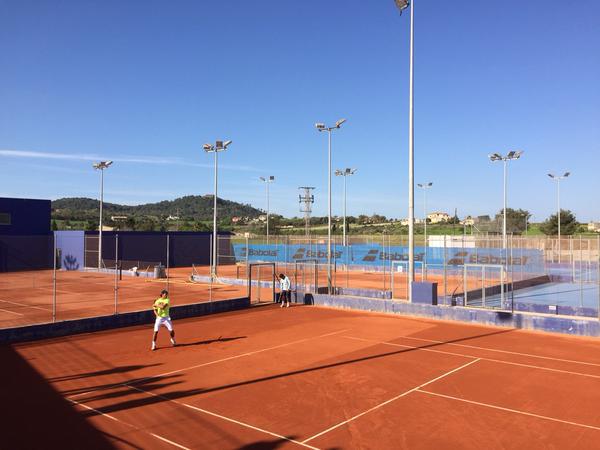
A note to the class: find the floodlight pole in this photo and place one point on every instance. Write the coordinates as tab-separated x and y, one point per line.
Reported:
425	186
497	157
215	241
504	242
100	227
219	146
101	166
558	178
329	215
321	127
411	162
267	181
345	173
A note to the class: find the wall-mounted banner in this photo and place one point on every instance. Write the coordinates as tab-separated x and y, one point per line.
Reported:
375	255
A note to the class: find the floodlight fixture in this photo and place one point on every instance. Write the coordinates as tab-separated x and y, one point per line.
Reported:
339	123
402	5
495	157
207	147
320	126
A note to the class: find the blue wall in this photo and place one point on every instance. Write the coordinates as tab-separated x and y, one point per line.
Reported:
71	247
27	216
25	244
185	247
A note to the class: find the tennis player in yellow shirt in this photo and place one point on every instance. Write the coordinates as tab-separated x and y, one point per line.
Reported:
161	311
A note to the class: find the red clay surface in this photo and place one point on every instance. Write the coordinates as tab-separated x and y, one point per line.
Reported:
304	377
26	297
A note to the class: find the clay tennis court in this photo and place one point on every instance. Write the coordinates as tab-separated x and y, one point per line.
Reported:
26	297
305	377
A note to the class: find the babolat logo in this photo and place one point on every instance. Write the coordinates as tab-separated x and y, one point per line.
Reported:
371	256
258	252
299	253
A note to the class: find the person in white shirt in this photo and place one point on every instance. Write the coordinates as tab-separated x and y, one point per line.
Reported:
284	296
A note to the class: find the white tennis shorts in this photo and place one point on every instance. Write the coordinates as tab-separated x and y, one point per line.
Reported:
166	321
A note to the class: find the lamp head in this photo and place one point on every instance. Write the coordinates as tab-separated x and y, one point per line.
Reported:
271	178
207	147
402	4
495	157
339	123
320	126
102	165
566	174
338	172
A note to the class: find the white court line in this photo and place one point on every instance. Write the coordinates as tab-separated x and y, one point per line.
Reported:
27	306
569	372
229	358
503	351
195	408
390	400
129	425
11	312
516	411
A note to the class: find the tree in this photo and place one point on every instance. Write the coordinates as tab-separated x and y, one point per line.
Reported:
54	225
516	220
568	224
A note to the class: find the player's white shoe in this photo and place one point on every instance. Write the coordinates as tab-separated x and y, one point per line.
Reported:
153	345
173	342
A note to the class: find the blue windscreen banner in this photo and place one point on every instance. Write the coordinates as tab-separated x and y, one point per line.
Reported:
376	255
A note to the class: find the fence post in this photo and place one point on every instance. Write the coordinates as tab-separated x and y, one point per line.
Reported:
168	255
54	279
445	269
116	272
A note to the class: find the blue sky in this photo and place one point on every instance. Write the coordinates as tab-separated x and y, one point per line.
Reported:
147	83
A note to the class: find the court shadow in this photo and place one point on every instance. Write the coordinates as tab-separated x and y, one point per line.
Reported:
98	373
37	415
210	341
266	445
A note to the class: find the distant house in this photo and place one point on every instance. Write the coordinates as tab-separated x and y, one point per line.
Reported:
594	226
437	217
469	221
235	219
173	217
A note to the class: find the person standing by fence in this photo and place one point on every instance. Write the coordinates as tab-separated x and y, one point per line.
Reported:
285	294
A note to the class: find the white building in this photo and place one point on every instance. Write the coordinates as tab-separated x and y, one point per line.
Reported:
437	217
594	226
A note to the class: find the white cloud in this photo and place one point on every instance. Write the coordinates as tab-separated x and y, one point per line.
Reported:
122	159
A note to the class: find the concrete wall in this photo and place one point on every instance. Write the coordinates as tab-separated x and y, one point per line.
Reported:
68	327
530	321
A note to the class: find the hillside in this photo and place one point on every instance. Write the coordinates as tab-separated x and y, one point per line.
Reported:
191	207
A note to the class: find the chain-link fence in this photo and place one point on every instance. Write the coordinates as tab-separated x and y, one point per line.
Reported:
64	276
532	273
